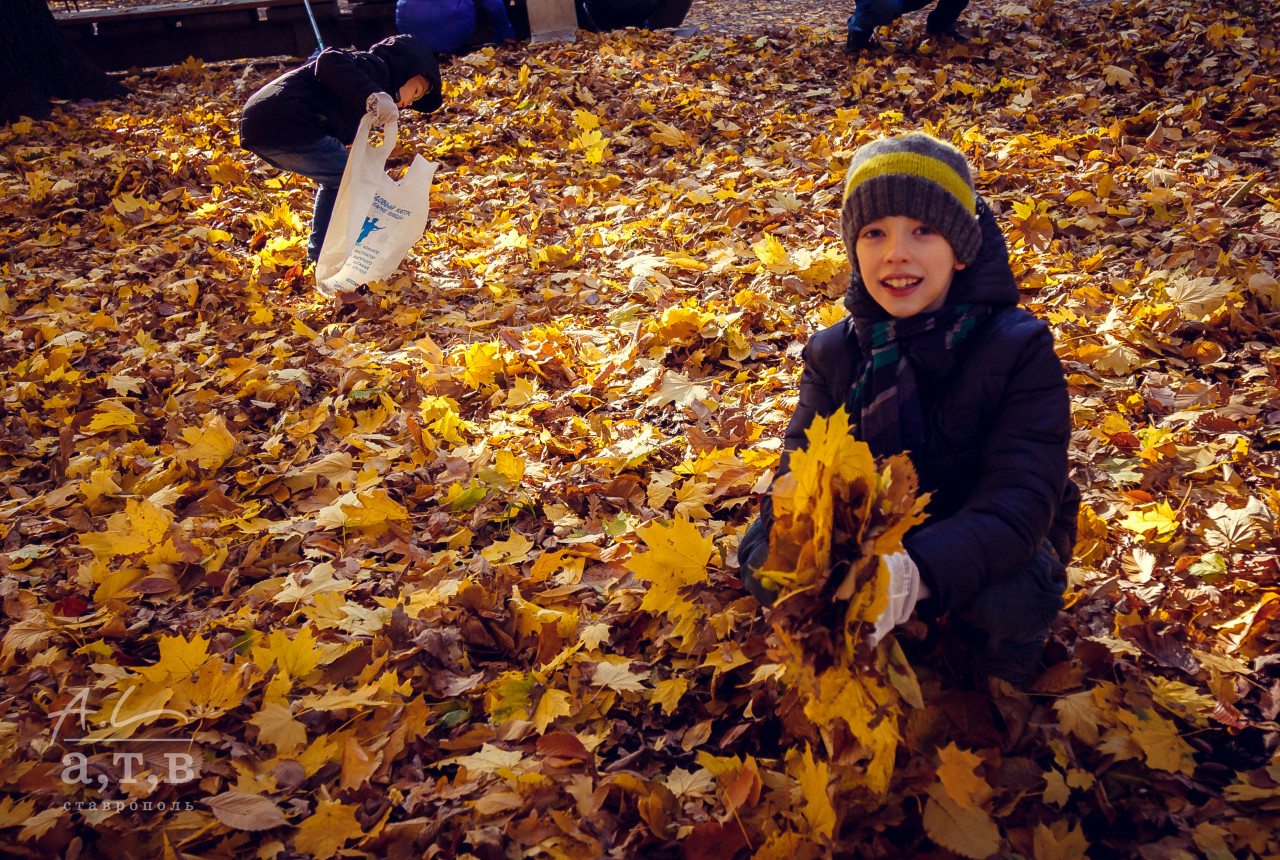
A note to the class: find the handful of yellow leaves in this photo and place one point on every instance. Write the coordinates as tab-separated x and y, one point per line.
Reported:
835	516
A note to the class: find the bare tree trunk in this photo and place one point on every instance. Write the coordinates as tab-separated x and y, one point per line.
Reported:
38	62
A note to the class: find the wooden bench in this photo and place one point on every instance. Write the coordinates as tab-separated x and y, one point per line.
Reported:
162	35
120	39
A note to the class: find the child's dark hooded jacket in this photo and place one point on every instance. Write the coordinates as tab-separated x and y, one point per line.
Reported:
327	96
997	425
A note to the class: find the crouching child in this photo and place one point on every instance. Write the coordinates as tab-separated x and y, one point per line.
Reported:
304	120
937	360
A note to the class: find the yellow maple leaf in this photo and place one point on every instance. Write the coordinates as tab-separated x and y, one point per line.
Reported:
101	483
667	694
111	415
617	677
506	470
128	203
817	268
553	705
491	759
771	253
531	618
681	324
677	556
956	772
1158	522
135	705
669	134
39	184
372	695
814	777
213	691
361	510
513	550
1078	714
138	528
593	145
1056	790
293	652
179	658
868	708
483	364
209	445
1162	746
1062	841
509	696
804	500
1116	75
14	812
276	726
329	828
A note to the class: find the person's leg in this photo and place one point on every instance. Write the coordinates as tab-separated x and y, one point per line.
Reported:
324	161
942	20
670	13
617	14
1010	620
585	21
868	15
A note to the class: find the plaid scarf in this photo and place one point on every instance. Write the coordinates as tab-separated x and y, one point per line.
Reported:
885	401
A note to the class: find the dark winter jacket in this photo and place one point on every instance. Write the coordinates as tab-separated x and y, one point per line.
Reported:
997	425
327	96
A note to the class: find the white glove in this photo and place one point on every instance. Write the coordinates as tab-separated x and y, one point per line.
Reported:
383	108
905	590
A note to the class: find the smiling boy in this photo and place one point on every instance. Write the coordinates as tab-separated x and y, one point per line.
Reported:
937	360
304	120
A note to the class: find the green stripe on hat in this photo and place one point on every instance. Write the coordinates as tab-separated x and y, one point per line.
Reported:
913	164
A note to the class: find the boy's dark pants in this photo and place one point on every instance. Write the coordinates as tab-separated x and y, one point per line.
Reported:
1007	623
323	160
870	14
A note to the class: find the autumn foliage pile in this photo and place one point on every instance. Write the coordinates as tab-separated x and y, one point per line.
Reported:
450	570
835	518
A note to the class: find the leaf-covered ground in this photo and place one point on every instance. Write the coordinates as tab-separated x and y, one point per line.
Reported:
449	569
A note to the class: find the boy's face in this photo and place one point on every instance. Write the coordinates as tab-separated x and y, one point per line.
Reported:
906	265
412	90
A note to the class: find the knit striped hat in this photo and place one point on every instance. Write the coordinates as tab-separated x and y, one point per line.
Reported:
918	176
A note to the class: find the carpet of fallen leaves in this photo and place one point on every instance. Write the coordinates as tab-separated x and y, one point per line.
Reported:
449	570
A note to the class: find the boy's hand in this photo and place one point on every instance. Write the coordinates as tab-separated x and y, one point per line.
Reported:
905	590
382	107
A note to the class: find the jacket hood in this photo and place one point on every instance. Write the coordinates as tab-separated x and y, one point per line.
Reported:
406	56
988	280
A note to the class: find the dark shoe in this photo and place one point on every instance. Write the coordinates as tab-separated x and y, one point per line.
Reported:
1018	663
857	42
949	31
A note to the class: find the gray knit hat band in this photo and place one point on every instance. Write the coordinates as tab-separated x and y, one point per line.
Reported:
916	176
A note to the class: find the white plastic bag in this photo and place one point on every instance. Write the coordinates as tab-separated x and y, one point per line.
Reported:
376	219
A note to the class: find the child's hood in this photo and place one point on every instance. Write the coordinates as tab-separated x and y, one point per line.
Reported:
988	280
404	57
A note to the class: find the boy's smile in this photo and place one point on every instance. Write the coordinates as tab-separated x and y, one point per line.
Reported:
906	265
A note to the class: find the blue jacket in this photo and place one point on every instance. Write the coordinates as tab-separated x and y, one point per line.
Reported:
997	425
448	25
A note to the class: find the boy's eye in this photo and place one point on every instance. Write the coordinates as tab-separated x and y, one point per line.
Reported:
925	230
